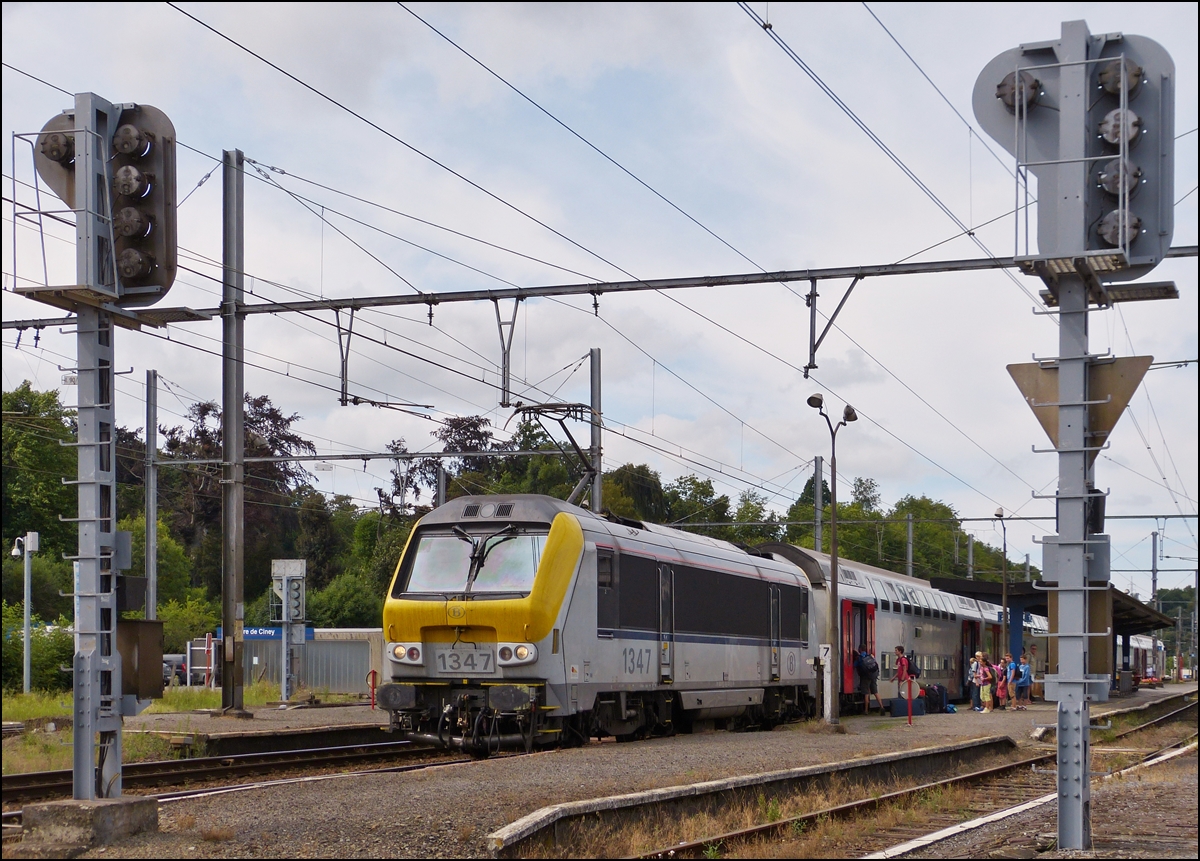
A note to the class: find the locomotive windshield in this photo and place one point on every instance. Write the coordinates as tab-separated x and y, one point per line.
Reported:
459	563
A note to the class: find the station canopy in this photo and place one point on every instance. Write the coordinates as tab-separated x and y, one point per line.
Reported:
1130	616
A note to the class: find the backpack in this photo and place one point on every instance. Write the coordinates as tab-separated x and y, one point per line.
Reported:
914	668
870	666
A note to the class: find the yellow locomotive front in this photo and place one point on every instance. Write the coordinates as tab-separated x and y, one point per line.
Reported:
473	623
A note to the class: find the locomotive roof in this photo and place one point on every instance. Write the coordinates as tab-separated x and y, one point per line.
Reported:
536	508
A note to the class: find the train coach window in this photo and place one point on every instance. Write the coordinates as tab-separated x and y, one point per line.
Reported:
880	595
637	591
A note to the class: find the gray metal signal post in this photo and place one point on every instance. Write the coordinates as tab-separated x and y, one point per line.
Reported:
1092	118
113	165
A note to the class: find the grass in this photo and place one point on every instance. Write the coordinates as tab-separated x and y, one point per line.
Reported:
34	705
51	751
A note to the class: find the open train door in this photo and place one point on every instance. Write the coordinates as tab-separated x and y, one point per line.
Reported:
849	682
970	645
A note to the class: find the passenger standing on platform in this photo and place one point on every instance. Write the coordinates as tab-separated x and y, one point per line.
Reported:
1002	683
987	678
868	677
1024	683
1010	675
976	665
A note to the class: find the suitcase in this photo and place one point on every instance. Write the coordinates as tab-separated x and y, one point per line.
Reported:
899	707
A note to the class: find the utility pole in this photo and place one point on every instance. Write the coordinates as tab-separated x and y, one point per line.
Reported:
1027	580
152	495
597	427
970	557
233	437
818	502
908	553
1154	571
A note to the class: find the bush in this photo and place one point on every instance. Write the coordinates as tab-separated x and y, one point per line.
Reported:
51	648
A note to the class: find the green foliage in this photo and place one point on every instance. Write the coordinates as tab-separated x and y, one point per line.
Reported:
186	620
752	506
34	465
50	576
50	648
642	487
693	500
350	601
174	566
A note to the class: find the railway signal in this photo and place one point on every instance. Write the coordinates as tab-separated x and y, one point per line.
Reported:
134	207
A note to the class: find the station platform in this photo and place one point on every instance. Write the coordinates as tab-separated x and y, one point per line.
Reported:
265	728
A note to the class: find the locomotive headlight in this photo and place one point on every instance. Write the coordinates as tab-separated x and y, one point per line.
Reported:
515	654
406	653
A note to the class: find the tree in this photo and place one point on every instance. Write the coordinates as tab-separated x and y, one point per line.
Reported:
693	500
192	496
752	506
642	486
349	601
34	465
866	494
50	585
174	566
185	620
807	495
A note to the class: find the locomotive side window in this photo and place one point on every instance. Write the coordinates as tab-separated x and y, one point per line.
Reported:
711	602
804	615
790	598
607	584
637	593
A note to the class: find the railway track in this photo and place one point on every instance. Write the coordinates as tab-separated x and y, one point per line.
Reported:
990	790
33	786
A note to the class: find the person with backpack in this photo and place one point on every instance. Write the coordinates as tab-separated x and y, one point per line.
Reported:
973	679
987	678
868	677
1024	683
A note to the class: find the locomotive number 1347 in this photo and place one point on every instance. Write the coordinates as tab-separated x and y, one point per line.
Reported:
637	661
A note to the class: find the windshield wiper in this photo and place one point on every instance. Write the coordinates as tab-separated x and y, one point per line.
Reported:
480	548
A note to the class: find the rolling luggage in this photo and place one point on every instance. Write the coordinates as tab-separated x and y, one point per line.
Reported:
935	699
899	707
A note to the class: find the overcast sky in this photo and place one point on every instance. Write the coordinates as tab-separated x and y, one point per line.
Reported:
699	104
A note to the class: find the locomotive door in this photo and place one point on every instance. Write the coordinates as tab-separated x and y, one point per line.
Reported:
666	622
776	627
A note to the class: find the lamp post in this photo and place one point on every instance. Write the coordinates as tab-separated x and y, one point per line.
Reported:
1003	585
27	545
817	402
